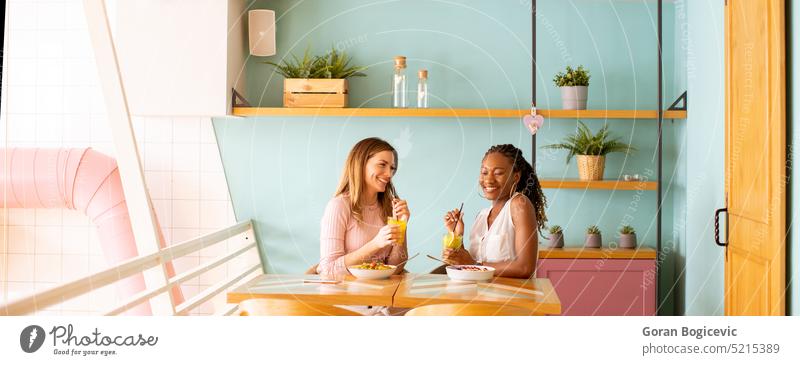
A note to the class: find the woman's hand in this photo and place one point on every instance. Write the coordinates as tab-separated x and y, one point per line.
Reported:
400	209
454	218
458	256
388	235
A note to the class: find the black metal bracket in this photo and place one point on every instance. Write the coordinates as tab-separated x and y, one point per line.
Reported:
681	98
716	227
237	100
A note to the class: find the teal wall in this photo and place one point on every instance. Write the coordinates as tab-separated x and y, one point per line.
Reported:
699	288
282	171
675	131
700	263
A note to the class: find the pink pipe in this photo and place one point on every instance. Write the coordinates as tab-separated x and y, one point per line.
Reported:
85	180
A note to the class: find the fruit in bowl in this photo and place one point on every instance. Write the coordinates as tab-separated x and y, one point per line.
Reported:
372	270
470	272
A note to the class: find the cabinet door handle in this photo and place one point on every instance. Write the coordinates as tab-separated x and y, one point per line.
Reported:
716	227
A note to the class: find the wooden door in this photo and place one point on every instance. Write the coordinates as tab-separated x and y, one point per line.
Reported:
755	157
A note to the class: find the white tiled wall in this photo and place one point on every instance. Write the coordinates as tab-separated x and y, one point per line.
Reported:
52	98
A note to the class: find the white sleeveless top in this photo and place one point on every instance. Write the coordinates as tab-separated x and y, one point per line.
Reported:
495	243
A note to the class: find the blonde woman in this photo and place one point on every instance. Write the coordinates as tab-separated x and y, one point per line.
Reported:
353	228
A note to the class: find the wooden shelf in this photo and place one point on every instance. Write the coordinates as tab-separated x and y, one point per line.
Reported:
452	113
597	185
611	114
640	253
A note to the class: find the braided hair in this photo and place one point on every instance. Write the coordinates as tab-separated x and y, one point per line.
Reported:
528	183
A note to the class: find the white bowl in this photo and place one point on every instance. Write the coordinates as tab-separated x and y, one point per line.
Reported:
454	273
372	274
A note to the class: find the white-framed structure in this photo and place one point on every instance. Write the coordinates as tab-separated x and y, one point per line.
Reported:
182	57
152	257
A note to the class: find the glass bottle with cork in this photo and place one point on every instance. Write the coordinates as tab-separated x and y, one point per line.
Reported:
399	99
422	89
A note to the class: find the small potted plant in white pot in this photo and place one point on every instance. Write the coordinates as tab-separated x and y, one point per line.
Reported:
574	85
594	238
591	150
627	237
556	237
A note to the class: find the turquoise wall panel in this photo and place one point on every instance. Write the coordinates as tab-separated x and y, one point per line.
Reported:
702	261
283	173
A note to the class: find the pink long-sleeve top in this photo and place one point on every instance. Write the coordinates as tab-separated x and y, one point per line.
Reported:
340	234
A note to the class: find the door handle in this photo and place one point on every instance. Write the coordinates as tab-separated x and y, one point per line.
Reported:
716	227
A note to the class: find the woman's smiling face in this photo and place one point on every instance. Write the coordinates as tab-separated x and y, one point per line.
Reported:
379	171
497	178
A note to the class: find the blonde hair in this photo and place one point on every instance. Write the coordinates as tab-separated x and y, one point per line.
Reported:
352	180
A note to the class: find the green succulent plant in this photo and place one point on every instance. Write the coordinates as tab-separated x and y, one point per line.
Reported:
555	229
332	65
338	66
627	230
584	142
592	230
572	77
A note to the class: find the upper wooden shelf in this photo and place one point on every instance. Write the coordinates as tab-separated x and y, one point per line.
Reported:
597	184
639	253
453	113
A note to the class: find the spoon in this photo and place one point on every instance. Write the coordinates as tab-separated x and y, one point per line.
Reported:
459	215
442	261
407	260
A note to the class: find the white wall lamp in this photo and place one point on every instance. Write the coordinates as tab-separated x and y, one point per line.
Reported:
261	25
261	34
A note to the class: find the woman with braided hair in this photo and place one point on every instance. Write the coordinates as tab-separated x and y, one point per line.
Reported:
505	235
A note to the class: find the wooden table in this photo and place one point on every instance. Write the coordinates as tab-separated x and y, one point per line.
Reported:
349	292
404	291
423	289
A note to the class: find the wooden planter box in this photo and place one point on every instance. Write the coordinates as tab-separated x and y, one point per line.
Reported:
315	93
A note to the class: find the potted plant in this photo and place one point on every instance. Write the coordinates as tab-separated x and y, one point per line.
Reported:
594	238
556	237
591	150
574	85
627	237
318	81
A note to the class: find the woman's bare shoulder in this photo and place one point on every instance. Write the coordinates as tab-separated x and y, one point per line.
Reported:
522	210
521	204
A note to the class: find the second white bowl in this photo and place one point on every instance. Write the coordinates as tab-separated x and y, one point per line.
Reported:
457	272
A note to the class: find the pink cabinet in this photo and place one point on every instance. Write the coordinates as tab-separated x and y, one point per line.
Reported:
601	281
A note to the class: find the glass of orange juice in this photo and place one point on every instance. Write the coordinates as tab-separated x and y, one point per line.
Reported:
450	240
401	224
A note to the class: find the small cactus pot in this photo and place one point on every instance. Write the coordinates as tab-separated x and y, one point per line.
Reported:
627	240
556	240
593	241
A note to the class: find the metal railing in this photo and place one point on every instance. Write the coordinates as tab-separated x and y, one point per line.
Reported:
56	295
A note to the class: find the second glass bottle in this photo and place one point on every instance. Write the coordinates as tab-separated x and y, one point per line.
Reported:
422	89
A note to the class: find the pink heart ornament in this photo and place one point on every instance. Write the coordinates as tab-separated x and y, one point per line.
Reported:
533	122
